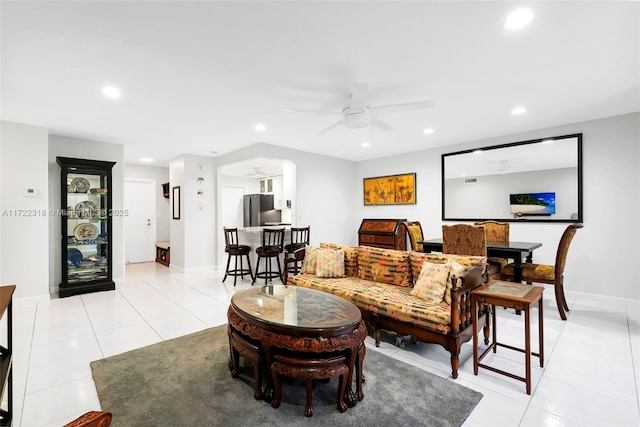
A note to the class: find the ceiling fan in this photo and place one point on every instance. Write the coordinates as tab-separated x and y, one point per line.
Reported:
359	113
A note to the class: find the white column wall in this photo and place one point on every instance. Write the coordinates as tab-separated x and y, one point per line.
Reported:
24	221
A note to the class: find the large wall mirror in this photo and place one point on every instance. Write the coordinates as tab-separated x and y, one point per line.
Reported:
528	181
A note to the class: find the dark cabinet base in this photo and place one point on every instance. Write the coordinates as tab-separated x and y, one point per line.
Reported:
67	290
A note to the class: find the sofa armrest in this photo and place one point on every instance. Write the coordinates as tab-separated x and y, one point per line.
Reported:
292	258
461	296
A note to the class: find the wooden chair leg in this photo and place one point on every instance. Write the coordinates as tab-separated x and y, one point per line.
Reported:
308	409
226	271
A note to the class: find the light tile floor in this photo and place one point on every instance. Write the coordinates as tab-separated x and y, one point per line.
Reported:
591	375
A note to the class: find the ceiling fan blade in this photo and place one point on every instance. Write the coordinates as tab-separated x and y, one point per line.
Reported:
401	108
298	110
335	125
381	125
359	97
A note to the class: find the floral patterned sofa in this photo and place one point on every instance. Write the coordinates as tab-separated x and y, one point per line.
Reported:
388	286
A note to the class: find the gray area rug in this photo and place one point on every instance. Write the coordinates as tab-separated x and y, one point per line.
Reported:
186	382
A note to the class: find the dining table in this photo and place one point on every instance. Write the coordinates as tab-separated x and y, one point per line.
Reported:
516	251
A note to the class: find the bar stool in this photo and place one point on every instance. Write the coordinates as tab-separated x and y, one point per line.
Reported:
237	251
272	239
299	239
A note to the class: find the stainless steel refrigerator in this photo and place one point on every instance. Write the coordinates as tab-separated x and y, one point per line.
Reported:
258	209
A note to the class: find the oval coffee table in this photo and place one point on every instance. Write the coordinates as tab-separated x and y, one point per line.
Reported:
302	322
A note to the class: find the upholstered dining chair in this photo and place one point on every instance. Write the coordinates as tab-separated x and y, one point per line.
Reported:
464	239
414	229
496	231
549	274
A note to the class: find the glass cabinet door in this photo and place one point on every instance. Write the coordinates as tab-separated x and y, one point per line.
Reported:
86	226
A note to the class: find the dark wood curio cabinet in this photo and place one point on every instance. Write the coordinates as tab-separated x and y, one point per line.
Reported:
86	232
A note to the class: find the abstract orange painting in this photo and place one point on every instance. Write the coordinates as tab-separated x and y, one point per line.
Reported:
390	190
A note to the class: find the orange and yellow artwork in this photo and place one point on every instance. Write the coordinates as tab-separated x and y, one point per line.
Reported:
390	190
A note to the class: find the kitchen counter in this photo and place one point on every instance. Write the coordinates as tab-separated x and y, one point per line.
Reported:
262	227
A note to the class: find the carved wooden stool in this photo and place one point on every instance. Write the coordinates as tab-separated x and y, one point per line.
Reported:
309	369
238	346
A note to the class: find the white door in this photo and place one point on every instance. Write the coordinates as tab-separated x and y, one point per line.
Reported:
140	223
231	215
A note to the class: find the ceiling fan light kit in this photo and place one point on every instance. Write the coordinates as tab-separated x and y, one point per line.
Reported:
359	113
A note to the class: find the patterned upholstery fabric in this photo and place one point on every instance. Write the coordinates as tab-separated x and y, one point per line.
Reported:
388	300
415	236
432	282
417	258
532	271
330	263
496	232
456	270
384	265
464	239
309	262
350	257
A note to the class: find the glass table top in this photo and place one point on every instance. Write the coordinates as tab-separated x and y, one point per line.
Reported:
296	307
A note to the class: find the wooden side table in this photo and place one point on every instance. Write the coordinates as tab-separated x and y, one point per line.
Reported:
509	295
163	253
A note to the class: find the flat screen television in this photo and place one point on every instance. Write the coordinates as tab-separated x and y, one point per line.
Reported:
528	204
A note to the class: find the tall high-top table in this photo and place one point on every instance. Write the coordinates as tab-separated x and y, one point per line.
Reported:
512	250
306	323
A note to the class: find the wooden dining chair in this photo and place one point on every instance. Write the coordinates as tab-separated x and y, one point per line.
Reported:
549	274
496	231
464	239
414	229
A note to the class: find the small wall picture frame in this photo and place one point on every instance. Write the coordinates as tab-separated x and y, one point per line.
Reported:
175	191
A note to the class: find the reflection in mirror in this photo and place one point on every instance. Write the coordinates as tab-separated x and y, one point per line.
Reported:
534	181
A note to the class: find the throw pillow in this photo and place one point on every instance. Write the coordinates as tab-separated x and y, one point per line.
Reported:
432	282
456	270
330	263
309	261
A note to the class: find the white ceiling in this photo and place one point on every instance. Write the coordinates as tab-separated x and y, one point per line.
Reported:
197	77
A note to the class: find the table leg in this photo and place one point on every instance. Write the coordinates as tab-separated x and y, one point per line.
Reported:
527	348
540	333
495	330
350	396
269	392
359	372
474	325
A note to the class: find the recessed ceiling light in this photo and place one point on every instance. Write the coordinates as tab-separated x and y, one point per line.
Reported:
478	151
260	127
111	92
146	159
365	144
428	131
548	141
518	19
518	110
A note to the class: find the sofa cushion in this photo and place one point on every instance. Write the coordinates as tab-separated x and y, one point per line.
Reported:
330	263
456	270
350	257
432	281
392	301
384	265
417	258
309	261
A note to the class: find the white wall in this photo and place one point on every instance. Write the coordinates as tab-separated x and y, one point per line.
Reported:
604	255
163	207
85	149
24	221
193	235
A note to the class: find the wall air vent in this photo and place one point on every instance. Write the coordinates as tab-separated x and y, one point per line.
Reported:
470	180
